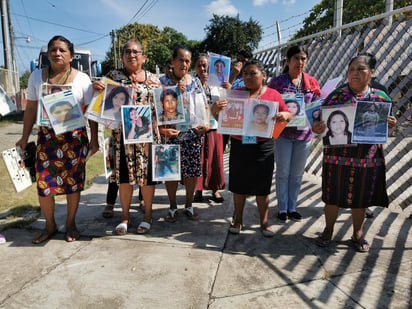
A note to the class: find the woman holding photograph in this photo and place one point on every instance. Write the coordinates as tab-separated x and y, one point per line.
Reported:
293	145
251	165
60	159
353	177
133	161
192	139
213	177
338	129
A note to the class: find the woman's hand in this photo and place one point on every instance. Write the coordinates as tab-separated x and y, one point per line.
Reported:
283	116
22	143
168	132
200	130
318	127
391	122
227	85
98	86
217	107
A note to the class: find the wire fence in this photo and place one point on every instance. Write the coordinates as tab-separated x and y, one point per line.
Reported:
388	37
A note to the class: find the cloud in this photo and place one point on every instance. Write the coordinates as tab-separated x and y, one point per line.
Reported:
288	2
264	2
221	7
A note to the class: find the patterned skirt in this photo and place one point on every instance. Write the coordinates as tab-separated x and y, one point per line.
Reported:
61	161
354	177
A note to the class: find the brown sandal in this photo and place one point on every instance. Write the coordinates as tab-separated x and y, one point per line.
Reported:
108	211
325	239
44	235
361	245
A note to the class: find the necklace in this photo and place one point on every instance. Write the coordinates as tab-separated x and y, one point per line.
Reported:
63	78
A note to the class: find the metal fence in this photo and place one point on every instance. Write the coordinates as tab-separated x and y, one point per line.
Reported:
329	55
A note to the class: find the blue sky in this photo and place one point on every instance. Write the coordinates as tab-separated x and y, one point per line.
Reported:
87	23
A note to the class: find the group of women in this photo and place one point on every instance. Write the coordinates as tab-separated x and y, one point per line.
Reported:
353	177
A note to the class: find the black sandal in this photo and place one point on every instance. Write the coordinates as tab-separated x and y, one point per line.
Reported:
361	245
72	234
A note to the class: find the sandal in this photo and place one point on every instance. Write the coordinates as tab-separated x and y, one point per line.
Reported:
108	211
121	229
143	228
216	197
267	231
72	234
171	215
44	235
191	214
361	245
235	228
325	239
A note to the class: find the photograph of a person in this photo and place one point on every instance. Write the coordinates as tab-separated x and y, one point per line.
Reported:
63	111
114	98
219	70
169	105
94	109
42	119
137	126
339	125
260	119
313	111
166	162
371	122
296	106
231	118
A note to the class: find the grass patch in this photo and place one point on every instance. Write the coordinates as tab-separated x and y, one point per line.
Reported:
27	200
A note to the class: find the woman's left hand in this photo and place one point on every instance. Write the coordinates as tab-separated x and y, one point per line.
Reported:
283	116
391	122
201	130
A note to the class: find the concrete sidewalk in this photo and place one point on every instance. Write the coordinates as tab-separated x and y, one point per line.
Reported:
197	264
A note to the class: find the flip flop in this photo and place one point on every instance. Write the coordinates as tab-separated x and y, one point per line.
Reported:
191	214
72	234
108	211
44	235
171	215
143	228
324	240
235	228
267	232
361	245
121	229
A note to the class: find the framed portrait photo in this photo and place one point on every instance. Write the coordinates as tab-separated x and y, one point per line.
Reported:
137	124
166	162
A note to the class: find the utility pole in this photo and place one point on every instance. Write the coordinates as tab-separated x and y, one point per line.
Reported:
337	16
279	58
112	34
6	41
11	35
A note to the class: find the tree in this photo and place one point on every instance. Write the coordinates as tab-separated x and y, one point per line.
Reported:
24	79
157	44
321	16
228	35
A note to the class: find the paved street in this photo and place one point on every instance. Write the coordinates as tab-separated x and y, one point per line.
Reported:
198	264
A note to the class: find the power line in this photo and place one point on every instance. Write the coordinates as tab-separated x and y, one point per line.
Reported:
138	11
56	24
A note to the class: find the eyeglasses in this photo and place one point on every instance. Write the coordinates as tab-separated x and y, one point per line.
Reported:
133	51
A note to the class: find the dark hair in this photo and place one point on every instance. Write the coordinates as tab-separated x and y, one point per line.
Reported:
372	60
293	101
261	105
179	47
167	92
219	61
369	60
257	63
63	39
296	49
202	55
55	89
59	104
115	91
333	114
132	41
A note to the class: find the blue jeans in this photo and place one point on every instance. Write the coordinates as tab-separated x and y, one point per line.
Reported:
290	158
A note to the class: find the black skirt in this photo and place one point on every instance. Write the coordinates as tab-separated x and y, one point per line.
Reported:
251	167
